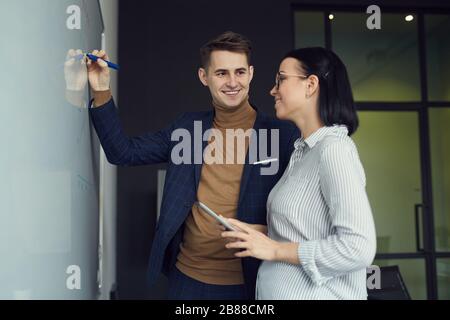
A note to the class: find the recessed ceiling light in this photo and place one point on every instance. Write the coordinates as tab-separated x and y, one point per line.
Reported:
331	17
409	17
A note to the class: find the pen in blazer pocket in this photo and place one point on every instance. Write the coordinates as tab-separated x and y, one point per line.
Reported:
266	161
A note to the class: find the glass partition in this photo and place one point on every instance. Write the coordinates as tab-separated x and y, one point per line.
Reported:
379	61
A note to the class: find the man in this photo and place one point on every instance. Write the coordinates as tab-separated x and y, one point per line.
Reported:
188	247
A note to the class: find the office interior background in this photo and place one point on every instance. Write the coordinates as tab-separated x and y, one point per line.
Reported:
62	204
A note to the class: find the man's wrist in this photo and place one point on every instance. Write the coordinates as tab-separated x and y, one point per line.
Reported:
101	97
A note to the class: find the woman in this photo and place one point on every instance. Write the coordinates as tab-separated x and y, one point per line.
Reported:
321	234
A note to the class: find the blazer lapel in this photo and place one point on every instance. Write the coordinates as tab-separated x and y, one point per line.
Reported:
207	121
248	166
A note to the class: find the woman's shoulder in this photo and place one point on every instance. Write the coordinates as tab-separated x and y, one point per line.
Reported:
337	141
341	149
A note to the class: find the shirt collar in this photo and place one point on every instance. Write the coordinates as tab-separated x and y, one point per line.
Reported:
319	134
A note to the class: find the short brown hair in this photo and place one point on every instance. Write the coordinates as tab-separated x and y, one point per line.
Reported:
229	41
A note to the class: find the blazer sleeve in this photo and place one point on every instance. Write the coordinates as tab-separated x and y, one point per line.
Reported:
149	148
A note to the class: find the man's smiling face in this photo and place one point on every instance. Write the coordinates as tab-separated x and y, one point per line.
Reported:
228	77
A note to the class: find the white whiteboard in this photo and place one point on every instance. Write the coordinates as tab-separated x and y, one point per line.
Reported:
49	154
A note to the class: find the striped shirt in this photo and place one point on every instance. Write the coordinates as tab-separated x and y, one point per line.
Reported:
321	203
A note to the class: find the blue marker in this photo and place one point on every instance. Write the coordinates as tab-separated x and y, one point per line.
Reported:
95	58
110	64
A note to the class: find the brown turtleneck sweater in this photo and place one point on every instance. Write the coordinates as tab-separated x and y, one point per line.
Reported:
203	255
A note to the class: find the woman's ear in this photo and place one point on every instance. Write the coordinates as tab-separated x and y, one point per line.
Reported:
312	85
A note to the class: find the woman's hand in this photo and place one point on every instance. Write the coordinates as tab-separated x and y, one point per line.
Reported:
252	240
258	227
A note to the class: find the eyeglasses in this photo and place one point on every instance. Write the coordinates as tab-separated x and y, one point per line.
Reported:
279	78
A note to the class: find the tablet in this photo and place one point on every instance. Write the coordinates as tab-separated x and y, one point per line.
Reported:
221	220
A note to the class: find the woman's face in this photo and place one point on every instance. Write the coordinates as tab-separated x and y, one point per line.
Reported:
290	94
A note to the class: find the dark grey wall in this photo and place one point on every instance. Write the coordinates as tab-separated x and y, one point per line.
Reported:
158	54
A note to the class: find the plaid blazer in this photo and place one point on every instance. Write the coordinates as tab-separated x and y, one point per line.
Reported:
182	180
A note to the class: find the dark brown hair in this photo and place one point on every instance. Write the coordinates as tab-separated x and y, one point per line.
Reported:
336	104
229	41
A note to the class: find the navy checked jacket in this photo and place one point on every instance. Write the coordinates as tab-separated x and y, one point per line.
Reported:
181	182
